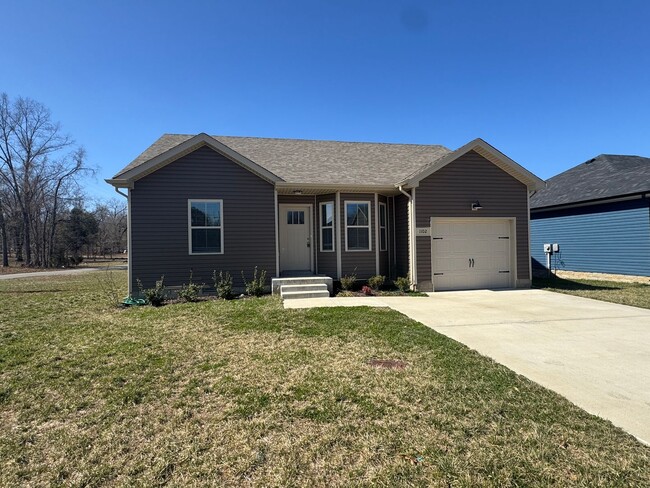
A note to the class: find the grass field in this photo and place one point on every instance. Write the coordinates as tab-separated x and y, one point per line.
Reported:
635	294
245	393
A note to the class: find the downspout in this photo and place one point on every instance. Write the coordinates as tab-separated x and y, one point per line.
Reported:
411	219
277	236
128	237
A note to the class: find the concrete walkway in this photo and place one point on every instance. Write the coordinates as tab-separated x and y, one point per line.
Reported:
58	272
594	353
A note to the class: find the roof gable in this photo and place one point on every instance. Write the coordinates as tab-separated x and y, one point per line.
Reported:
168	152
602	177
488	152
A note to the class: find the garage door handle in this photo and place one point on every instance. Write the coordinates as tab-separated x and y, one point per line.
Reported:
471	262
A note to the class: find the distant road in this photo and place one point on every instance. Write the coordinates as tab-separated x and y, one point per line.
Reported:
62	272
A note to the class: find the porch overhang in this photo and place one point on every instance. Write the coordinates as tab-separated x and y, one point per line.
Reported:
287	188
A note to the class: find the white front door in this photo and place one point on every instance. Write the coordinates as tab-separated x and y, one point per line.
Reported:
471	254
295	237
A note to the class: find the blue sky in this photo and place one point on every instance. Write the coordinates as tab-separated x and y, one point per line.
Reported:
550	83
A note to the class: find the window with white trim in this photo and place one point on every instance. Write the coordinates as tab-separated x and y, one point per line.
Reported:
383	235
327	227
357	226
205	226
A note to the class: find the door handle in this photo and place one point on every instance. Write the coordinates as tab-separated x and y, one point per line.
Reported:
470	263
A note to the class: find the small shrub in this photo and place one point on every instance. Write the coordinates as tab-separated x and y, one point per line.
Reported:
155	296
376	282
191	291
110	288
366	290
345	294
347	281
255	287
403	284
223	284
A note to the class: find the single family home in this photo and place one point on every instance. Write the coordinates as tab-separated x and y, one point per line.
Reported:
599	214
447	219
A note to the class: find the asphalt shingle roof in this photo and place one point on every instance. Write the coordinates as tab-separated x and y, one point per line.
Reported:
318	162
605	176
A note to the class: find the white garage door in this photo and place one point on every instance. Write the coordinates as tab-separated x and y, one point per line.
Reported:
470	254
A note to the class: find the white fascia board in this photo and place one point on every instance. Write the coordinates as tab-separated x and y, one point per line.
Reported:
491	154
185	148
119	183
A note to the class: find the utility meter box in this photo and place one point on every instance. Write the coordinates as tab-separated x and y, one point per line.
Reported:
548	248
555	247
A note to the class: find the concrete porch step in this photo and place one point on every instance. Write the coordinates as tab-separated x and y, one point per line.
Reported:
311	290
278	283
305	294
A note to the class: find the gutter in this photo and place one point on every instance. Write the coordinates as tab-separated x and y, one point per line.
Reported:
411	219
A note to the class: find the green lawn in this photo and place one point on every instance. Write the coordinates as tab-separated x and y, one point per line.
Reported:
635	294
246	393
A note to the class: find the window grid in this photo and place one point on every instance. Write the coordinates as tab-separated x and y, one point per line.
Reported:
327	227
361	213
205	223
383	235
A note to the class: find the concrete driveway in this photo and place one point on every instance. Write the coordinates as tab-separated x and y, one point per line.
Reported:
594	353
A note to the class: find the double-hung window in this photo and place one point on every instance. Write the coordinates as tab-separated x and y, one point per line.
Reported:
383	236
327	227
205	226
357	226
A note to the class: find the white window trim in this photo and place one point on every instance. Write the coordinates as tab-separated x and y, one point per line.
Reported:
189	225
383	227
321	226
369	226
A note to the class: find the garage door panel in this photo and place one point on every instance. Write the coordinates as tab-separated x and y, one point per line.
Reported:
470	254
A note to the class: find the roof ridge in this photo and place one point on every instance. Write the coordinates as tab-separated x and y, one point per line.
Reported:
310	140
622	156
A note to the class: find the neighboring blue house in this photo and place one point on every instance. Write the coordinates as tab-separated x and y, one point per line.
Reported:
599	213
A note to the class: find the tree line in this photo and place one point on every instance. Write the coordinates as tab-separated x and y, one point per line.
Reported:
45	220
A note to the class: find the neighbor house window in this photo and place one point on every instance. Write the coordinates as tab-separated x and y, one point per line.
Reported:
327	226
383	238
206	226
357	226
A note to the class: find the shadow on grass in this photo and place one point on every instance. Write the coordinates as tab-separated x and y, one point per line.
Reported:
21	292
563	284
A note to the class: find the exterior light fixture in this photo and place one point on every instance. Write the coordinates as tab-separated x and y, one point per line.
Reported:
476	205
297	192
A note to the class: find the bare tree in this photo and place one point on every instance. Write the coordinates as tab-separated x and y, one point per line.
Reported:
111	216
39	165
3	231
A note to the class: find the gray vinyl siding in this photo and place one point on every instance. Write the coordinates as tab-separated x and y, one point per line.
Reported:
326	260
449	193
159	213
383	255
363	261
401	236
